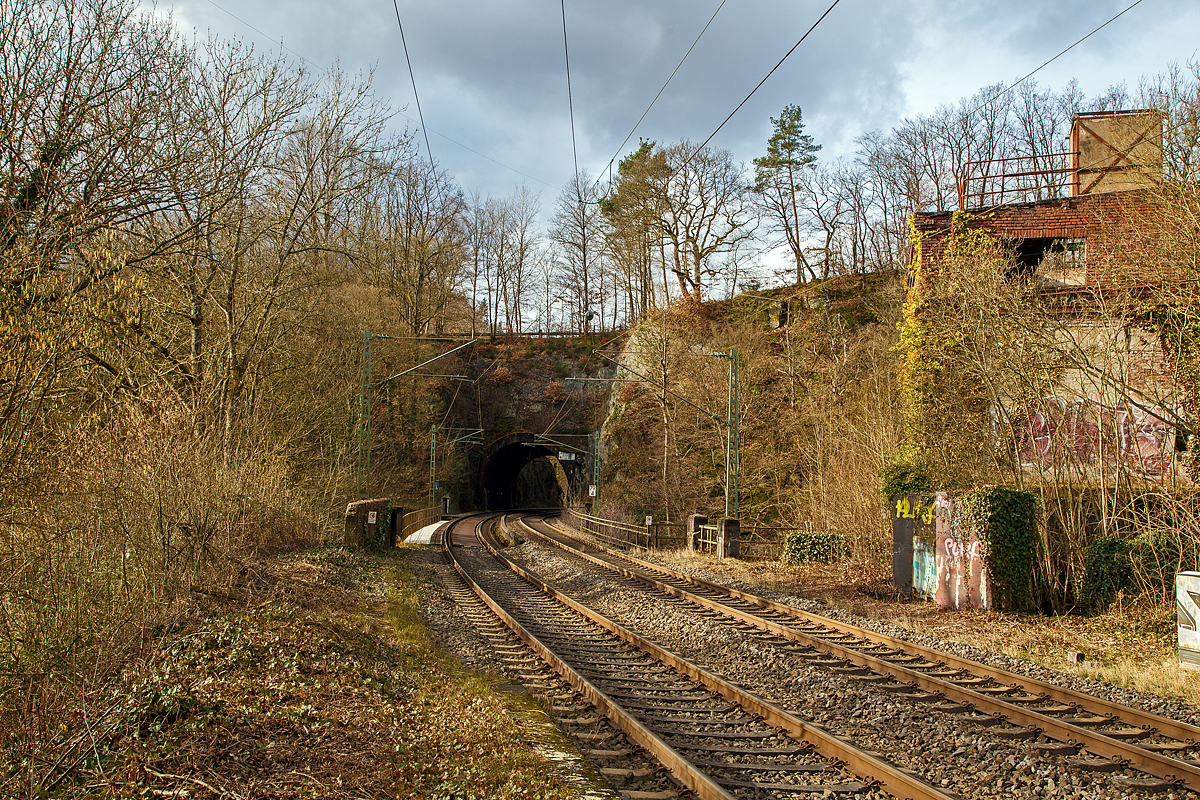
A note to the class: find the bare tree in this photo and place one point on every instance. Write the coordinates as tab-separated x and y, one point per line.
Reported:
578	234
706	212
84	104
416	231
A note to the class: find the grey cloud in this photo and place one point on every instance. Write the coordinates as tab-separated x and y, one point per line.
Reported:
491	74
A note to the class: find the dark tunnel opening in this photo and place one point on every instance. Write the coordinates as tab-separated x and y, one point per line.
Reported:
521	474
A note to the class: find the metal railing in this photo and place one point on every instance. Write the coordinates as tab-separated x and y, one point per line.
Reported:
763	543
655	536
1000	181
413	521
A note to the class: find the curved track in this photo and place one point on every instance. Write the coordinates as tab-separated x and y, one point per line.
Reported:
1014	706
715	739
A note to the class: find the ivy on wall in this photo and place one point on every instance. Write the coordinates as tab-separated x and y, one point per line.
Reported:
943	403
904	477
1006	521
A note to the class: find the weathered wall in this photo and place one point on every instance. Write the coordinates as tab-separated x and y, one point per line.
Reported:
1112	416
1112	224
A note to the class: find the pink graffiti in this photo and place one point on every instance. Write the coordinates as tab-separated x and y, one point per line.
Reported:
971	550
1061	432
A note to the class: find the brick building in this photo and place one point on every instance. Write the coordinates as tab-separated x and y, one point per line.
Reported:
1073	231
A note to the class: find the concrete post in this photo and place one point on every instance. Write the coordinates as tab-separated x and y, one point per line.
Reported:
693	530
365	521
729	534
903	526
353	536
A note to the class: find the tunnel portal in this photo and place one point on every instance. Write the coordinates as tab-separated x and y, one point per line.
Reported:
522	471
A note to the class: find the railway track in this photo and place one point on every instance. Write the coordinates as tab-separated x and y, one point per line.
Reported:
716	740
1090	733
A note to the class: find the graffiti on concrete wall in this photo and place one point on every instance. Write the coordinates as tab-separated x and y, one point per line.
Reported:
962	576
1061	432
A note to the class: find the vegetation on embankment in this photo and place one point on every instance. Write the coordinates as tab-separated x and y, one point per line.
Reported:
819	415
312	676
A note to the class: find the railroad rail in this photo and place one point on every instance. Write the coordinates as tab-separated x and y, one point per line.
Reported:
716	739
1115	735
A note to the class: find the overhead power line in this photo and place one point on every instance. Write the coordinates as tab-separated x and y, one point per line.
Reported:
570	102
764	80
413	78
260	33
319	68
1005	91
612	160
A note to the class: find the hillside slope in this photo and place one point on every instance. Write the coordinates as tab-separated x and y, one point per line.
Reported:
818	417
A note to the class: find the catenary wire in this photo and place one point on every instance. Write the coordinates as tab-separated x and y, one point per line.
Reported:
570	102
434	131
760	83
413	78
261	33
1005	91
612	160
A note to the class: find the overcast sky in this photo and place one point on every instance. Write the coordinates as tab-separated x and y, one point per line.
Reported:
491	75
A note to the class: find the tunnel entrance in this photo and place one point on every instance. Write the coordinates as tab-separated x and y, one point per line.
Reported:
519	471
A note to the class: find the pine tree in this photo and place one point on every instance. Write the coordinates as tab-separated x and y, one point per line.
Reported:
776	175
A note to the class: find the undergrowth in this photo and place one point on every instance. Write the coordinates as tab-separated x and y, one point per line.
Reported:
329	688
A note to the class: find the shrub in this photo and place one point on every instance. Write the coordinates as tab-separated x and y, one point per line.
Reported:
1156	557
1006	521
1108	570
555	393
904	477
808	546
500	376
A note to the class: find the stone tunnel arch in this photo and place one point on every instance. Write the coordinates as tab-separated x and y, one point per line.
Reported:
521	470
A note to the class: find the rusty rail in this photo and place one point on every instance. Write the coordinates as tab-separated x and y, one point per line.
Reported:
1146	760
899	783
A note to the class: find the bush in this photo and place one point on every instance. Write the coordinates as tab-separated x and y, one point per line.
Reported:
904	477
1108	570
804	547
555	393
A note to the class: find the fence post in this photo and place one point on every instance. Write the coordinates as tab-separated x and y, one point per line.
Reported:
729	538
693	531
397	526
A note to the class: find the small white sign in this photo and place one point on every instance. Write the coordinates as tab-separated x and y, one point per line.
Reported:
649	521
592	490
371	517
565	456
